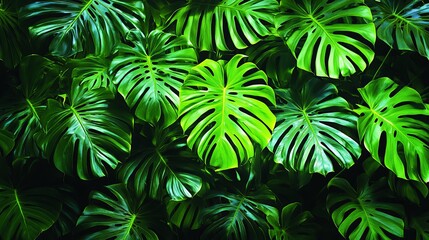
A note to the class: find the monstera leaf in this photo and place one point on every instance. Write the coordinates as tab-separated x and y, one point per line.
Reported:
150	74
293	224
160	167
11	34
117	213
403	24
6	142
394	128
223	108
420	223
93	26
186	214
323	37
93	72
21	108
361	213
413	191
276	58
239	216
312	129
88	133
25	213
224	25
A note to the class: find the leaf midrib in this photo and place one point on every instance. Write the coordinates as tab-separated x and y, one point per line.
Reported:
21	211
82	126
70	26
130	226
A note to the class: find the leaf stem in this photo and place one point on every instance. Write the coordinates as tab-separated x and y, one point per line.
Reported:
382	63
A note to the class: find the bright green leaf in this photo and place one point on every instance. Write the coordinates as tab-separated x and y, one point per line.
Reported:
224	25
393	128
313	129
324	39
223	108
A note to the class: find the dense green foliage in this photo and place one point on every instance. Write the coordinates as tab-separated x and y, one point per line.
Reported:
218	119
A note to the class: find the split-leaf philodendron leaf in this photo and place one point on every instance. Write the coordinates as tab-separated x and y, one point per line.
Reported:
323	37
223	107
88	133
394	128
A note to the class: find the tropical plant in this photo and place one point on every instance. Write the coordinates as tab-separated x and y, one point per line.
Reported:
217	119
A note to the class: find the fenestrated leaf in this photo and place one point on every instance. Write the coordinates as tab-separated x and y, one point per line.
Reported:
21	107
313	129
92	26
117	213
239	216
224	25
328	38
150	73
93	72
88	133
25	213
364	212
7	142
394	128
292	224
159	168
403	24
223	107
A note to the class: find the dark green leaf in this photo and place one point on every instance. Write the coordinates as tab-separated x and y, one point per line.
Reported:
89	134
117	213
403	24
24	214
363	213
150	74
92	26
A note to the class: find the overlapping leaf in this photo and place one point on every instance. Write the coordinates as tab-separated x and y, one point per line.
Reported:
223	107
92	26
186	214
362	213
403	24
239	216
117	213
88	134
313	129
226	24
394	128
11	34
293	223
22	106
150	74
328	38
92	72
